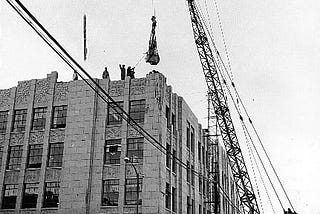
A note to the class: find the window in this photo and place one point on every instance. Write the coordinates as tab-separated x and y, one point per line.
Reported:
192	175
14	157
55	155
34	156
135	149
112	152
131	191
173	121
30	195
200	209
39	118
174	199
110	193
199	151
192	206
168	196
200	183
51	194
114	113
168	158
137	110
168	117
9	196
188	134
1	155
19	120
59	117
188	205
188	171
192	139
3	121
174	161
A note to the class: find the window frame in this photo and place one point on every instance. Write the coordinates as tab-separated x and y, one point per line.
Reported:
3	121
110	158
138	144
19	120
133	192
39	117
137	110
35	188
110	186
55	186
51	156
168	196
9	199
37	156
14	162
59	117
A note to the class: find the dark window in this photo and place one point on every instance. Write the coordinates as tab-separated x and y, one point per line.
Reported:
192	206
114	113
204	186
30	195
135	149
188	171
19	120
192	139
174	161
39	118
203	155
174	199
188	205
200	209
59	119
200	183
131	191
173	121
14	157
168	117
1	155
188	134
168	156
55	155
199	151
192	175
51	194
168	196
112	152
110	194
9	196
137	110
3	121
34	156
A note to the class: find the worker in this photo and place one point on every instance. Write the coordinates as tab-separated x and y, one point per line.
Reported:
105	74
130	72
75	76
123	71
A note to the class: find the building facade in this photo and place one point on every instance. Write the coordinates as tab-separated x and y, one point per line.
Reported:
63	149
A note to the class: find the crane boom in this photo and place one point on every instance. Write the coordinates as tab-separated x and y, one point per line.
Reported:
219	102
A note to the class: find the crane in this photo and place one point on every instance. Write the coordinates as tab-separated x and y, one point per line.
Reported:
209	65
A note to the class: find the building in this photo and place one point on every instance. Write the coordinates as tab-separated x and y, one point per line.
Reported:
63	149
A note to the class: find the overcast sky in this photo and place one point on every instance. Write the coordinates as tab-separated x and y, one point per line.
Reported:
273	47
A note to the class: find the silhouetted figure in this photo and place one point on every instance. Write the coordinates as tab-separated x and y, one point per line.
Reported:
130	72
105	74
123	71
75	76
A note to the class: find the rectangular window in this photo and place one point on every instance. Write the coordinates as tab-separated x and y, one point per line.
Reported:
9	196
168	156
3	121
34	156
110	193
131	191
19	120
174	199
200	209
192	175
51	194
112	152
192	139
199	151
59	119
173	121
135	149
192	206
188	134
200	184
188	205
114	113
168	196
30	195
1	155
174	161
188	171
168	117
39	118
137	110
55	155
14	157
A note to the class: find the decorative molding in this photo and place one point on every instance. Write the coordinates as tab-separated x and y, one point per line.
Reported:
53	174
4	98
113	132
130	170
133	133
2	139
174	104
116	88
16	138
111	171
42	91
49	211
7	211
22	211
174	142
61	91
11	177
23	92
168	136
137	86
32	176
36	137
57	135
168	93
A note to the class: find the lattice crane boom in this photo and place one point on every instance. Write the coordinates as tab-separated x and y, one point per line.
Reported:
218	99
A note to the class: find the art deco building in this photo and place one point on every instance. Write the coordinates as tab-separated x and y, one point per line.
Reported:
63	149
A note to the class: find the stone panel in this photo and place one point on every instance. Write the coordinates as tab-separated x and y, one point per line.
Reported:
53	174
168	136
28	211
61	91
36	137
16	138
113	132
49	211
137	86
130	170
174	142
32	176
23	93
57	135
7	211
116	88
4	98
168	93
111	171
2	139
129	210
133	133
42	91
11	177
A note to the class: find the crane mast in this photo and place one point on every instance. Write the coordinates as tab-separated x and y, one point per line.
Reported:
219	102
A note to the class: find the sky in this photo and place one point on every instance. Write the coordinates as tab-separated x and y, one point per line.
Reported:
273	48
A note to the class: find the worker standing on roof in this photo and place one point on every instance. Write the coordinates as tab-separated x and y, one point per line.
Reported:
152	55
